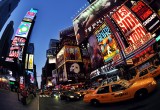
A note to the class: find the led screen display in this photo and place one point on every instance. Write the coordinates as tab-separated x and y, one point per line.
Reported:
23	29
134	32
30	76
30	15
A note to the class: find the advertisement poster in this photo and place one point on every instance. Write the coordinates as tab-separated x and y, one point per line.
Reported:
134	32
72	53
30	61
75	71
23	29
89	19
62	75
145	14
31	14
95	53
107	43
60	58
30	76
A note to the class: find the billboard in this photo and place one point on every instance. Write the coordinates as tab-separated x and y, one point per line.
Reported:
30	61
23	29
30	76
107	43
95	53
72	53
62	75
30	15
134	32
145	14
75	71
26	61
60	57
86	22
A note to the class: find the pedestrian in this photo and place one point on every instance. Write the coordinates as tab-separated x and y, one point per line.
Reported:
18	92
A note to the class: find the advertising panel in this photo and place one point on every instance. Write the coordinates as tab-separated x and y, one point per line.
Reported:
30	76
88	20
30	15
75	71
107	43
62	75
30	61
60	58
133	31
26	61
72	53
95	53
23	29
21	82
145	14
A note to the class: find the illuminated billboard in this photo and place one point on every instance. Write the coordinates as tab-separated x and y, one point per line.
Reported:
60	57
107	43
23	29
26	61
30	76
31	14
86	22
134	32
95	53
30	61
145	14
72	53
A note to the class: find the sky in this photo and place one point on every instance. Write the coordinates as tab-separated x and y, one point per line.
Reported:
52	17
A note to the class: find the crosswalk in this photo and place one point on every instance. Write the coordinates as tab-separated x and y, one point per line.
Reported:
44	96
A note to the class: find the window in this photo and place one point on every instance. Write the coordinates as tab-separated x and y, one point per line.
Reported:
152	68
117	87
103	90
144	72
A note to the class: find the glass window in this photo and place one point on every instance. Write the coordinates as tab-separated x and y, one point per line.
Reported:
103	90
152	68
144	72
117	87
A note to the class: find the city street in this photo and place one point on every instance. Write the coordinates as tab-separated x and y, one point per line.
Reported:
150	103
9	101
44	102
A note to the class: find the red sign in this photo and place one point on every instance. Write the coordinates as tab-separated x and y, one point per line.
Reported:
132	29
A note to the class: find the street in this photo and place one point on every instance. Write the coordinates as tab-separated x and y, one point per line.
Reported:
9	101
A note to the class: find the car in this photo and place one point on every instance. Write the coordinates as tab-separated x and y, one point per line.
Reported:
69	95
150	71
84	92
121	90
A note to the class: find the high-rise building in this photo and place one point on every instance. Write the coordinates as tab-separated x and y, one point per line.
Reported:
6	8
6	40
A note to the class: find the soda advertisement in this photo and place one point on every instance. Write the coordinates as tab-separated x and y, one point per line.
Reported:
92	17
107	43
72	53
145	14
95	53
23	29
134	32
75	71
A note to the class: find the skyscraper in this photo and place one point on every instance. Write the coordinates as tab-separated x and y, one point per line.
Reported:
6	8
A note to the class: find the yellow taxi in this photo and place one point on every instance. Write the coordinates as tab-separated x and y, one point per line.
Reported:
84	92
150	71
120	91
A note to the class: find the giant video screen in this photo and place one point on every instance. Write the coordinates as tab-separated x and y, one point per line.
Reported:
23	29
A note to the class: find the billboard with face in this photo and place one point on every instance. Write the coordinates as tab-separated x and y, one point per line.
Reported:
95	53
72	53
88	20
75	71
23	29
